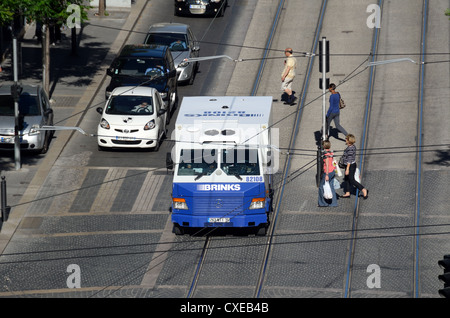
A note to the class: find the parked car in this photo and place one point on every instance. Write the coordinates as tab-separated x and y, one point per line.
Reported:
146	65
34	112
200	7
133	117
182	43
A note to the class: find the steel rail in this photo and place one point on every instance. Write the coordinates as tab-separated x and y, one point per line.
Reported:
205	248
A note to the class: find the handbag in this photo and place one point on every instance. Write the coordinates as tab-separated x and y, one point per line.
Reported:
341	102
327	194
341	163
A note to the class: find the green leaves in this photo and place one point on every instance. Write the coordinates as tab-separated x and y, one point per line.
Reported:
40	10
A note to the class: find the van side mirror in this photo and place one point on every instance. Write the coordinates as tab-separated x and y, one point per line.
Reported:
99	110
269	158
169	161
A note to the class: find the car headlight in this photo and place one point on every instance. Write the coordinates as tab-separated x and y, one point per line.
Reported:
33	130
104	124
257	203
215	1
150	125
183	63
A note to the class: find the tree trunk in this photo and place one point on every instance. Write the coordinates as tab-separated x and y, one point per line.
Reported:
46	58
101	8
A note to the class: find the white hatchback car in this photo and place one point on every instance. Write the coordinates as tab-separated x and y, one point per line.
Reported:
133	117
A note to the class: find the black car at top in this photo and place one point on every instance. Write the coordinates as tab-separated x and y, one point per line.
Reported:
146	65
200	7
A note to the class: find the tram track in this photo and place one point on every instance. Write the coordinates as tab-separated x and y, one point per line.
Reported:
366	140
361	213
273	218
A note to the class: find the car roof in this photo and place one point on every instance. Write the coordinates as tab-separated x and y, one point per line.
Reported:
130	90
5	89
144	50
168	28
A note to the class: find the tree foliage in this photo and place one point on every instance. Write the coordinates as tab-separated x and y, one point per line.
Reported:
40	10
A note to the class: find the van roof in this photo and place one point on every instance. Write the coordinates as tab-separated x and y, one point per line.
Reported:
247	110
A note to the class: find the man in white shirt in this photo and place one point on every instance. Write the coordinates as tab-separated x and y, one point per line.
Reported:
288	75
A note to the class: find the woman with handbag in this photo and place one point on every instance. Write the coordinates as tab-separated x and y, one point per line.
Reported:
334	112
326	182
349	160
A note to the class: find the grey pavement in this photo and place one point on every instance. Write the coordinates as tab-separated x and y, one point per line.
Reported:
74	82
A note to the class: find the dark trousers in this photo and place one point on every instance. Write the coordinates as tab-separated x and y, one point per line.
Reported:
349	180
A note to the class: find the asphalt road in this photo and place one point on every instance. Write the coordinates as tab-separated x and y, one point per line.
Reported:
107	212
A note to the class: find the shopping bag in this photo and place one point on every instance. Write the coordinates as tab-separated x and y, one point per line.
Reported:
336	184
327	194
358	175
336	167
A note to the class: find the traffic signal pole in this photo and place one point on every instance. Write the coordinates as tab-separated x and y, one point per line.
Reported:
15	93
324	67
324	89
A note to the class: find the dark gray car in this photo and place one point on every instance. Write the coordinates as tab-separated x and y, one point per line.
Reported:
182	43
34	112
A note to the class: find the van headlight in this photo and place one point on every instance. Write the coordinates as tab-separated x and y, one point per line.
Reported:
179	203
257	203
150	125
104	124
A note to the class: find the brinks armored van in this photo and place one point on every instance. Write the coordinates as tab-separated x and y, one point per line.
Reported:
222	163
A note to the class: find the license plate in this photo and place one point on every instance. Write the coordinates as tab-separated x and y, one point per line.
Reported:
218	220
197	6
125	138
8	140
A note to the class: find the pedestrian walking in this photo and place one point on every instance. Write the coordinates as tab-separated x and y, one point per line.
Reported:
328	175
334	112
288	75
349	160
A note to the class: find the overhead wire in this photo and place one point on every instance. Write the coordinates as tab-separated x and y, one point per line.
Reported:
290	150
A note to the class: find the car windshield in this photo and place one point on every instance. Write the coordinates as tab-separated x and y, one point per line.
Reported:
28	105
175	42
242	162
140	67
130	105
197	162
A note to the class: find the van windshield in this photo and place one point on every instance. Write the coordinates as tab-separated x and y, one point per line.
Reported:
242	162
197	162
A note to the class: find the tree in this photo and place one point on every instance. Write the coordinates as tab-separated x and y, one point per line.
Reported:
50	13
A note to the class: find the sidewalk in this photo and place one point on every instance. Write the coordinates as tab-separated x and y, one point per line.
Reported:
74	81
